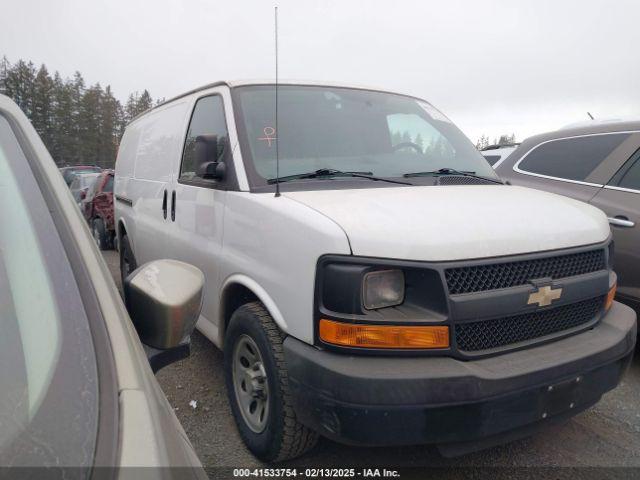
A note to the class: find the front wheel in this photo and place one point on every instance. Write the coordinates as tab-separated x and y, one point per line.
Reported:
258	387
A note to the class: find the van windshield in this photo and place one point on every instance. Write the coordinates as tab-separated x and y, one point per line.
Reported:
350	130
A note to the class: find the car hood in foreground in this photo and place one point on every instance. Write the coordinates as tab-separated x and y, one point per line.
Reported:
439	223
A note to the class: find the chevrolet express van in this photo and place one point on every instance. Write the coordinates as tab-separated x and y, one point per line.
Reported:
368	276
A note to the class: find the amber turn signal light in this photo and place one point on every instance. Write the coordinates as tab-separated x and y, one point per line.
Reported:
610	296
383	336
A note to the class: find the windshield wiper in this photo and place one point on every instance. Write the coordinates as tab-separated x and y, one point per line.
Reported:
451	171
326	173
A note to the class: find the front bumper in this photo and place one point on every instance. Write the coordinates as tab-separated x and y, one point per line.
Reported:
367	400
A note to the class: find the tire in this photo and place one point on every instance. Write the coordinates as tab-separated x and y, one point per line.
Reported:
127	260
100	235
281	437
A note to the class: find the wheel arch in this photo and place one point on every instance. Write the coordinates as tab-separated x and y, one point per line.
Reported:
239	289
121	230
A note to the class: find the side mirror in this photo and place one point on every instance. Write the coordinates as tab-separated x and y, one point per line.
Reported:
164	298
207	153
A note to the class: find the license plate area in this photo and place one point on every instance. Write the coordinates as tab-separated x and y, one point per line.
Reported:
561	397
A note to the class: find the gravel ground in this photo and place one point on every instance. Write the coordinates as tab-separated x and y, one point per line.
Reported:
607	435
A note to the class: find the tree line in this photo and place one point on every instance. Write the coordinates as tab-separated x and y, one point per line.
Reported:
82	124
429	147
79	124
484	141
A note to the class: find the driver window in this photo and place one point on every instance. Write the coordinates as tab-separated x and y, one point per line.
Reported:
207	119
412	134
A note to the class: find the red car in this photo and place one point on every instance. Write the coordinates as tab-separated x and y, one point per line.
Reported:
97	208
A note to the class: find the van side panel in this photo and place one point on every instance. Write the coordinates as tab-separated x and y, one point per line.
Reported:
123	175
143	174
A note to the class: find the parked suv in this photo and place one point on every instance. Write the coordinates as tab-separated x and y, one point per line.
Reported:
368	276
598	164
97	208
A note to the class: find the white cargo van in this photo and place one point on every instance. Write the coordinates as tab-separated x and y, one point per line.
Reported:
368	276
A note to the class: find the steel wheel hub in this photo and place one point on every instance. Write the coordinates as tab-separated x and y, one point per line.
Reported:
250	383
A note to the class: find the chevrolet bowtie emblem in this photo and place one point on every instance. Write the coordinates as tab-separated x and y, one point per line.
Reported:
544	296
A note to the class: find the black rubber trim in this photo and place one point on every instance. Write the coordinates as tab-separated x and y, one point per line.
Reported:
106	452
160	358
125	200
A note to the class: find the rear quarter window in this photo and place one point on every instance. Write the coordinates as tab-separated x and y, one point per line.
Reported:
629	175
571	158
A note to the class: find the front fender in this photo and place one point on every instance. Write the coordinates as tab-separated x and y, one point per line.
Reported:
258	291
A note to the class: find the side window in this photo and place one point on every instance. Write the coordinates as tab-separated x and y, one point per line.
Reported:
207	119
571	158
629	175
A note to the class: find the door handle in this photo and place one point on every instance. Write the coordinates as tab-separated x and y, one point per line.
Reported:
621	221
173	206
164	205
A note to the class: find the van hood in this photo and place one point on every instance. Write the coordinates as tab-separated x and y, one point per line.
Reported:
440	223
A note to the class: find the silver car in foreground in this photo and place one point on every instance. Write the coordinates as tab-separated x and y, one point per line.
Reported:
76	388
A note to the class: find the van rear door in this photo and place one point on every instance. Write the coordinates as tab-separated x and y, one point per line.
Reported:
150	190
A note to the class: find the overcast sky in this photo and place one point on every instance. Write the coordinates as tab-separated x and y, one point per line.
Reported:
493	66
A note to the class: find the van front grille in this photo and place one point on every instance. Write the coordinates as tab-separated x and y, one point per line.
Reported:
479	278
489	334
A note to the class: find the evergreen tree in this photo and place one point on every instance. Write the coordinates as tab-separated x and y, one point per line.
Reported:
4	71
136	104
42	114
63	145
19	85
418	141
130	108
91	144
145	102
77	92
110	127
507	139
76	123
482	142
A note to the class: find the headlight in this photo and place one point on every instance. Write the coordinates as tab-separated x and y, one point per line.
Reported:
383	288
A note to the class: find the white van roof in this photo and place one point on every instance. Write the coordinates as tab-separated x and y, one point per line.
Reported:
245	82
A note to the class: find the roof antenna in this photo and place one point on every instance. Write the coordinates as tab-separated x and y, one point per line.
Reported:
590	116
277	130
